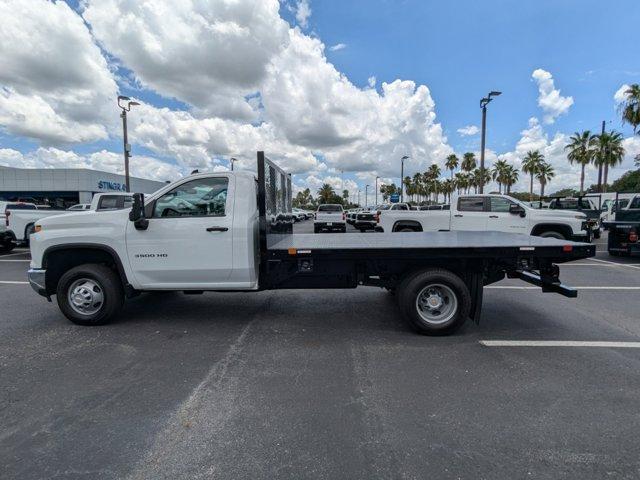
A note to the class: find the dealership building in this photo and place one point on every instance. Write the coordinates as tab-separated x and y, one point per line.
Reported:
63	187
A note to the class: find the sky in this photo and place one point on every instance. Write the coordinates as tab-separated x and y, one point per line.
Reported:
335	91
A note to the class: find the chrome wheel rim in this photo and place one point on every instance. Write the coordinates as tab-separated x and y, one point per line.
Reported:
85	296
436	304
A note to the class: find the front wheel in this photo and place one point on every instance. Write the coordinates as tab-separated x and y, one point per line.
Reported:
435	301
90	294
552	234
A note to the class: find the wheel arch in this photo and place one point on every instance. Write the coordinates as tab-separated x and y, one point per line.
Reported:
412	224
59	259
562	228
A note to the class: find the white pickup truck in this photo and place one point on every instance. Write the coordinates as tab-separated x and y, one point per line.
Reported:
19	219
330	216
499	213
228	232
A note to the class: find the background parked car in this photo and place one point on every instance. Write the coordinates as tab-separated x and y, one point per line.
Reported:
330	216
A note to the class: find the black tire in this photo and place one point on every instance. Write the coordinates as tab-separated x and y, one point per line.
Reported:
552	234
456	298
406	229
315	229
108	284
7	247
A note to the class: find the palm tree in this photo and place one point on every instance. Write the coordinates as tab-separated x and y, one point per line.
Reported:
531	164
451	163
468	162
433	172
497	172
458	181
407	185
480	176
630	107
544	174
510	177
582	150
326	193
609	152
417	183
447	188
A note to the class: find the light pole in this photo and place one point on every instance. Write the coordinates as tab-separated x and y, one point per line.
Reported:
483	105
402	177
232	160
377	190
126	107
359	197
366	195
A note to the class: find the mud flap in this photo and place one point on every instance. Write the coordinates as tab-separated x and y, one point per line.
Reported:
476	289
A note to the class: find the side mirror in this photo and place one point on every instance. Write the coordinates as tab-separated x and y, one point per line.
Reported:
517	210
136	215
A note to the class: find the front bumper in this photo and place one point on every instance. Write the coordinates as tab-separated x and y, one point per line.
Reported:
585	236
37	281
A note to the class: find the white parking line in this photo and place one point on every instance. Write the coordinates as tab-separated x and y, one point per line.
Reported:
12	282
557	343
14	254
517	287
617	264
14	260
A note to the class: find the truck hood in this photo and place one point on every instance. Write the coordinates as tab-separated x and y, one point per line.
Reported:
555	214
85	219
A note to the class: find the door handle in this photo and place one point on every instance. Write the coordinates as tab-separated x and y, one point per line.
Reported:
217	229
493	216
458	215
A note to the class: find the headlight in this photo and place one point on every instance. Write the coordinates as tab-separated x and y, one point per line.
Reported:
37	228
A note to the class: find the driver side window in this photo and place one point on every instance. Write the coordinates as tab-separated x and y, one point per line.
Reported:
203	197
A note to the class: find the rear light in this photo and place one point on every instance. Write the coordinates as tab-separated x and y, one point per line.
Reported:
6	218
344	216
376	217
633	236
567	248
37	228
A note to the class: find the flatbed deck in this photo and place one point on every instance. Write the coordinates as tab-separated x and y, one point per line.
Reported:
401	242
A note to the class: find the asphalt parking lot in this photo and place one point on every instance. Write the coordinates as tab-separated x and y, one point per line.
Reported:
324	384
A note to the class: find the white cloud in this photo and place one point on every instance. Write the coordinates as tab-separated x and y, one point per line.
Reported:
315	106
620	95
209	54
469	130
303	12
338	46
552	103
55	85
371	81
141	166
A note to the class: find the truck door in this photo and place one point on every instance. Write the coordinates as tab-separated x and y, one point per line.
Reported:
189	241
469	214
501	220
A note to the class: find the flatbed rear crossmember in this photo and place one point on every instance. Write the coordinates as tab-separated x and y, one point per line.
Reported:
549	281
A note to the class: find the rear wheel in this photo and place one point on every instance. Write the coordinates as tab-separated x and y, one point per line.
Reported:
90	294
552	234
435	301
